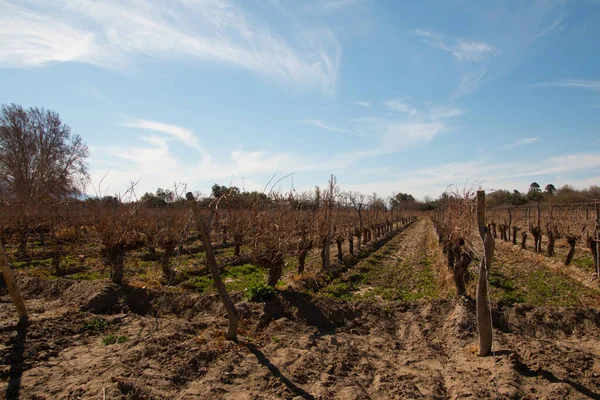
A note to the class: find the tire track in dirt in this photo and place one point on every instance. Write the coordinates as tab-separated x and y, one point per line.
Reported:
406	268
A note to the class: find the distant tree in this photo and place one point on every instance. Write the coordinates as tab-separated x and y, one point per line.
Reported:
592	192
504	197
535	195
401	199
39	156
534	187
550	189
218	191
517	198
160	199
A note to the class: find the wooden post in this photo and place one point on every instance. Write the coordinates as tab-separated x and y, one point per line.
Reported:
9	279
597	239
204	230
509	222
484	319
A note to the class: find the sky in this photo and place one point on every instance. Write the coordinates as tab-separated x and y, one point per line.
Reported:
389	96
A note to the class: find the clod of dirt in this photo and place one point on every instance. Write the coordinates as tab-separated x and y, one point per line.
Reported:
97	297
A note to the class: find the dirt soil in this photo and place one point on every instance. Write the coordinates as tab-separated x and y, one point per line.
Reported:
95	340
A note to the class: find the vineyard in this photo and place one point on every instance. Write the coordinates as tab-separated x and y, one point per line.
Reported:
328	295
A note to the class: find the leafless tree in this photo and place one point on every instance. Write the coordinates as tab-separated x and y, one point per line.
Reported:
39	156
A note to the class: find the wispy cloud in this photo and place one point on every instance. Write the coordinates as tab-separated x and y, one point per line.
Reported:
320	124
184	135
363	103
522	142
572	83
445	112
93	91
461	49
434	180
115	35
400	105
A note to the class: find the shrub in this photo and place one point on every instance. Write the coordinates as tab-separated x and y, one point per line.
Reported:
260	292
95	324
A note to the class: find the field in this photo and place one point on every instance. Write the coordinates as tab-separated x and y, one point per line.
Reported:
384	322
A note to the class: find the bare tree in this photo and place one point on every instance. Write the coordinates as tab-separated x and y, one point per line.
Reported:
39	156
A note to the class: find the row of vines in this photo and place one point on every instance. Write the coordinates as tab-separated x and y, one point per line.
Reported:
267	235
572	223
455	223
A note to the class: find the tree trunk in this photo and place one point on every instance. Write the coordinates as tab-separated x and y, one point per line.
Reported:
56	263
509	222
450	256
593	246
224	235
204	230
551	240
11	285
514	234
461	273
537	239
351	243
275	270
484	319
166	261
116	255
523	240
572	241
238	244
302	260
325	258
23	240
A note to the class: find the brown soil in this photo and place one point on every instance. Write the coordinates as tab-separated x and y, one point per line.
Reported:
295	346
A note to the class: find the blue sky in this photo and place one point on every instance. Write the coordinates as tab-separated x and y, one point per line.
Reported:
389	96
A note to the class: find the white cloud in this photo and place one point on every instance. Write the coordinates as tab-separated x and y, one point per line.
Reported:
572	83
363	103
445	112
403	135
114	35
320	124
461	50
400	105
522	142
433	181
184	135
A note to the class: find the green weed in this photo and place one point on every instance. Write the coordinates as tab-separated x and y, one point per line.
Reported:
113	339
95	324
260	292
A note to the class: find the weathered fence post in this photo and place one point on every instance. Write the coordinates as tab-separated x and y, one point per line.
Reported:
11	285
484	320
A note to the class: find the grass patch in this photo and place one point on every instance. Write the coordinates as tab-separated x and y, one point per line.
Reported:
506	292
537	286
95	324
260	292
242	277
339	290
584	261
200	284
113	339
89	276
